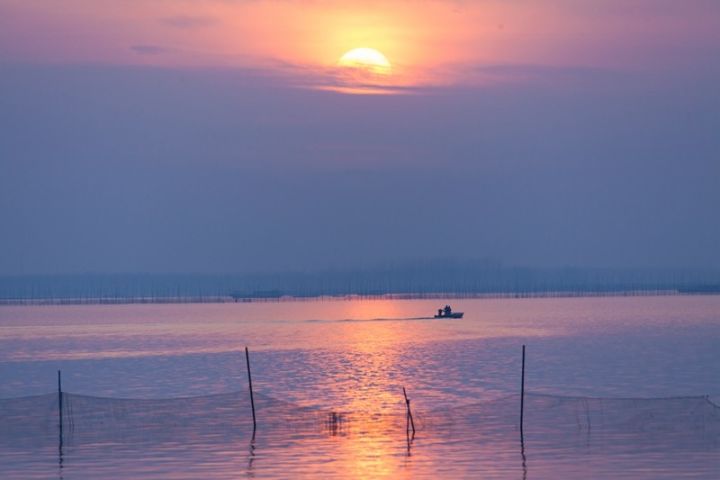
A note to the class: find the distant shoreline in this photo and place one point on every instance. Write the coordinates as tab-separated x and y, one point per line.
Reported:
348	297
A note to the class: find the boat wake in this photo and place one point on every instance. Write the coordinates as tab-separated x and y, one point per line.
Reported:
364	320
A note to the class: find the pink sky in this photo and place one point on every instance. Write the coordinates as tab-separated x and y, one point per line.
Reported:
433	42
209	135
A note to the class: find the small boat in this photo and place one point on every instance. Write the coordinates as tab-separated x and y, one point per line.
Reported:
448	313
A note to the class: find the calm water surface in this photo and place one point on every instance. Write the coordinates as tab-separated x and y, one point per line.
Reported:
329	378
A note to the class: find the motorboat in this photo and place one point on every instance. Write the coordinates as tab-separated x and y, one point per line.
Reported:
448	313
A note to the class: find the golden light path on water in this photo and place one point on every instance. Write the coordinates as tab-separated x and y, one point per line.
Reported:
374	442
109	331
328	377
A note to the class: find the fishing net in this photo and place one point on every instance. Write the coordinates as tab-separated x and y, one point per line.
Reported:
35	421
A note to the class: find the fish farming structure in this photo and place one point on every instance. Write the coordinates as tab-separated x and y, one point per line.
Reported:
64	434
36	420
453	280
65	419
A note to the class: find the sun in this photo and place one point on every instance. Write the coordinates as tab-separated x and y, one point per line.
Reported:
366	60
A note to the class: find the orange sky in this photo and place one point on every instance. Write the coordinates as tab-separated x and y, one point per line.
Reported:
429	42
209	135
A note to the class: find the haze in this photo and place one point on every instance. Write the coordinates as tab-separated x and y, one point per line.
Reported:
216	136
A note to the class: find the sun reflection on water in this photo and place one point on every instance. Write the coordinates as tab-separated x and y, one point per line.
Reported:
377	438
329	378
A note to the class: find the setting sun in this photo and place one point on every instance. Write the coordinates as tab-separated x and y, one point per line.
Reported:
366	59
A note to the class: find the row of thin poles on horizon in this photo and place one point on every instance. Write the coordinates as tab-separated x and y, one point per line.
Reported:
410	422
319	296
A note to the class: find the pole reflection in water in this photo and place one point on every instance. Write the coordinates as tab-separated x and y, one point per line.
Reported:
522	454
410	439
124	438
327	394
60	458
251	456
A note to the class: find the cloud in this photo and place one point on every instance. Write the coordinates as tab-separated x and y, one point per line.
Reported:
187	21
166	173
537	69
537	72
150	49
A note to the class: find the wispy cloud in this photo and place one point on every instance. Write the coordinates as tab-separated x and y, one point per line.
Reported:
150	49
188	21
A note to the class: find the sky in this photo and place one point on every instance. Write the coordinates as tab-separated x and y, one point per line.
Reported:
216	136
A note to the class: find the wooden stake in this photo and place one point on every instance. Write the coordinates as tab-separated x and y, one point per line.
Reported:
409	412
60	404
522	390
252	400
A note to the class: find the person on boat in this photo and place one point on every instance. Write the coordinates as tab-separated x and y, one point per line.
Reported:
440	312
448	310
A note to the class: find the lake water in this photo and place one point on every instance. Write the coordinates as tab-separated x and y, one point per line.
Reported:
621	387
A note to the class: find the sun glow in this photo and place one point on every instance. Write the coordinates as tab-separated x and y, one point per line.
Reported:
363	71
367	60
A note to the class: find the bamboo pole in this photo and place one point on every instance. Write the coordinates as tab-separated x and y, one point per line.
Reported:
60	404
522	391
409	412
252	399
